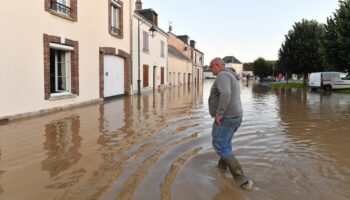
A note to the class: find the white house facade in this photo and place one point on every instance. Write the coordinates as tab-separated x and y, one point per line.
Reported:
62	53
150	54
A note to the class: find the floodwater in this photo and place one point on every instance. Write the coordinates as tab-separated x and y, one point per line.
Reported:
294	144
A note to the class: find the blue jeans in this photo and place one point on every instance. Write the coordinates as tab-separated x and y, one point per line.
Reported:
222	135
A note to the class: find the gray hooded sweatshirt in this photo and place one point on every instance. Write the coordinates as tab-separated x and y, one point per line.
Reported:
224	99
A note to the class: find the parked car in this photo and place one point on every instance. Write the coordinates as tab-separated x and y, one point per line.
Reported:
329	80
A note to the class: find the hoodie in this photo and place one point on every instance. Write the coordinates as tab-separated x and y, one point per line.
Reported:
225	99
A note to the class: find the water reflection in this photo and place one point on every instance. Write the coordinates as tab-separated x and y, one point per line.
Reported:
62	142
292	143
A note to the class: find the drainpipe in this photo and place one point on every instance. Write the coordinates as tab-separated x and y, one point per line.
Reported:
131	49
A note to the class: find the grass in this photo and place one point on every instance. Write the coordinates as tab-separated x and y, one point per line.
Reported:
288	85
346	91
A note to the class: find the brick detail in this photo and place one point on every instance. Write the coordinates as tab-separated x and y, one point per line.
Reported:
73	6
47	39
121	21
74	65
127	63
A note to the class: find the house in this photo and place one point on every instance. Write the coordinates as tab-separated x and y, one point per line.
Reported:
198	62
61	53
150	53
232	62
179	61
185	62
197	58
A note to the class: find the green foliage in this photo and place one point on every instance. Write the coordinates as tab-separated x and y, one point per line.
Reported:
300	51
288	85
336	39
248	67
262	68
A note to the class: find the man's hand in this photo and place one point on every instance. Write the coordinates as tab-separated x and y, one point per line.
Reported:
218	119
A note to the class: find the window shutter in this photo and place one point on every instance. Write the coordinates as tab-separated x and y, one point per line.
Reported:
162	48
145	41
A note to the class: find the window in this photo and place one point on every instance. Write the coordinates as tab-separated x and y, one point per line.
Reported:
115	15
60	70
116	18
61	67
61	6
162	48
145	41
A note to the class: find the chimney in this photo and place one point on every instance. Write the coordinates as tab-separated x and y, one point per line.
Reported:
184	38
193	43
170	27
150	15
138	5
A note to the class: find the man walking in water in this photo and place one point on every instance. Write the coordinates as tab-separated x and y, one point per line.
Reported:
225	106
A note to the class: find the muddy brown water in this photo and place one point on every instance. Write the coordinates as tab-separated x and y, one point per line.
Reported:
294	144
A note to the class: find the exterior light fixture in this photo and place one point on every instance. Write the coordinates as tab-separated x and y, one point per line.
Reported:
152	31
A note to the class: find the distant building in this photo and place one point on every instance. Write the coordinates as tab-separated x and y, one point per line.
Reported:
185	62
179	61
232	62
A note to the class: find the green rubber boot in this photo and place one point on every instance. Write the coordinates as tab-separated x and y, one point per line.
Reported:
222	164
237	173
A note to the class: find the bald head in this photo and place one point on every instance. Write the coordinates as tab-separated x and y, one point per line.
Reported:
217	65
217	61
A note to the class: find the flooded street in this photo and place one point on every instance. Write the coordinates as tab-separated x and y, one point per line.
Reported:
294	144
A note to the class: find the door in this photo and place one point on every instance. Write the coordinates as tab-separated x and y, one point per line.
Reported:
113	76
197	75
162	75
145	75
154	77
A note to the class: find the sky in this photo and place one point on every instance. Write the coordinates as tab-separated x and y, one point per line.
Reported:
246	29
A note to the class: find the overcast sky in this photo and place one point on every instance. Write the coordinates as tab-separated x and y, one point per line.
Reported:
246	29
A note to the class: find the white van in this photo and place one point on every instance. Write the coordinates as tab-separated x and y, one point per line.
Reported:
329	80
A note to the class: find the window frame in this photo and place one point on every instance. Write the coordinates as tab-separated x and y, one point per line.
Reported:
145	41
115	16
162	48
71	5
67	68
50	43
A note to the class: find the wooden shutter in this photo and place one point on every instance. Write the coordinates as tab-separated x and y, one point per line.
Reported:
162	75
145	75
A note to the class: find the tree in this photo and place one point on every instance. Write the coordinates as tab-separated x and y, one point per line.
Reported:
261	68
299	52
248	66
336	38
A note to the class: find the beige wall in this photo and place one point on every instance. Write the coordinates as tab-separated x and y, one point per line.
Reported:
181	46
22	64
177	66
152	58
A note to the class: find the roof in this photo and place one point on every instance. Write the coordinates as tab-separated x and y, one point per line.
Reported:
231	59
174	52
138	15
146	10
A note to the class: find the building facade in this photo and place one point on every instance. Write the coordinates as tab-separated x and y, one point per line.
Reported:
198	63
150	53
179	61
185	61
62	53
